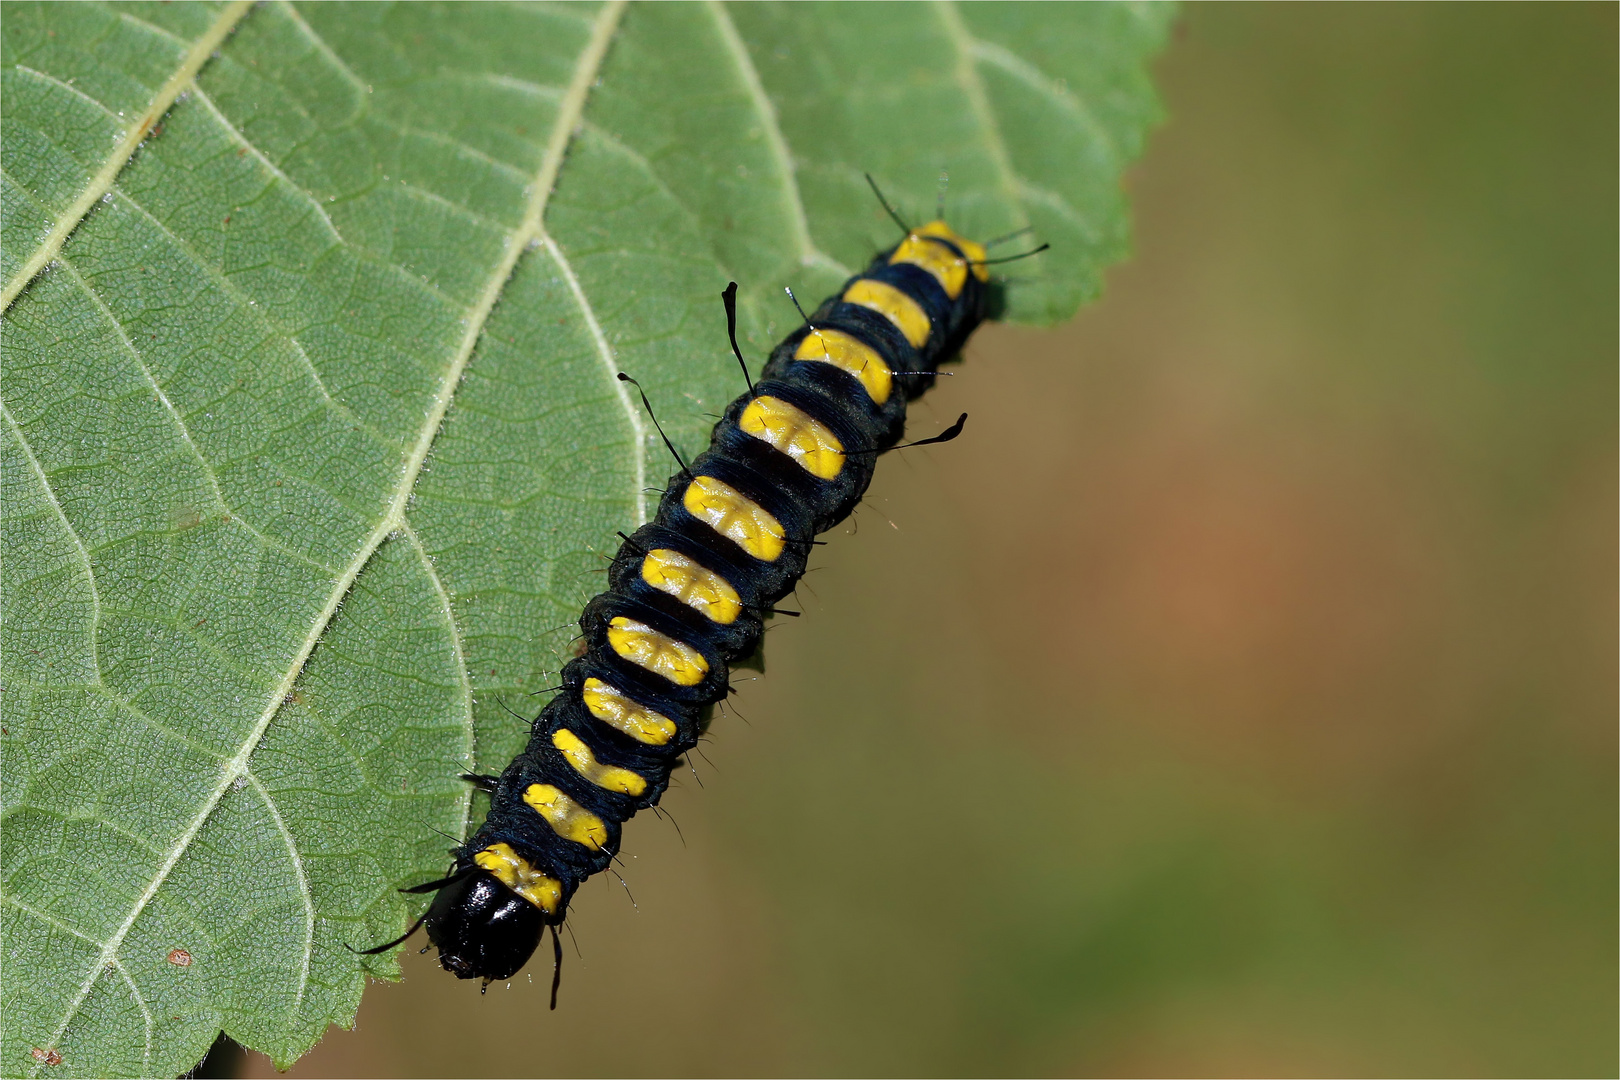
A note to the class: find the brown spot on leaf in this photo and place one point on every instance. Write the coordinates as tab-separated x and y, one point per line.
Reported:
179	958
49	1057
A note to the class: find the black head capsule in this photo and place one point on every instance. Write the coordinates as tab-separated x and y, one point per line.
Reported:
483	929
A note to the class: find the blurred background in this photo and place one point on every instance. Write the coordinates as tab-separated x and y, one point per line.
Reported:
1238	697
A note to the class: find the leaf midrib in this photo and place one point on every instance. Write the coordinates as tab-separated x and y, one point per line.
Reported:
568	116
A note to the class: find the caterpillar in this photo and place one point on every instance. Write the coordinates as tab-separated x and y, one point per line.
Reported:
688	592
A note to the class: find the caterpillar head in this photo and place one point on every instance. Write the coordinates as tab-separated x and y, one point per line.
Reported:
483	928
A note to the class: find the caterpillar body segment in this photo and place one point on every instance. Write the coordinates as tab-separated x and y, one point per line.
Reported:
687	591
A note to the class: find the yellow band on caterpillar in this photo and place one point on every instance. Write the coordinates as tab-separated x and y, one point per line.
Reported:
658	653
694	585
974	251
795	433
614	709
852	355
948	268
566	817
893	304
735	516
514	871
607	777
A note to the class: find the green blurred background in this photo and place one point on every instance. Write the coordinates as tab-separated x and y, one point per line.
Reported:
1238	697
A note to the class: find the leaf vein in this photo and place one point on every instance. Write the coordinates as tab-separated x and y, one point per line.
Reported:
303	885
102	182
522	86
179	421
70	88
149	720
112	826
438	136
84	554
242	140
146	1013
44	917
798	222
151	28
1043	84
427	195
645	164
967	79
604	352
1033	192
234	291
460	655
287	9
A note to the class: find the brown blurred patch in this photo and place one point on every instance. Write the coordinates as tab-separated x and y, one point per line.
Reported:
1243	582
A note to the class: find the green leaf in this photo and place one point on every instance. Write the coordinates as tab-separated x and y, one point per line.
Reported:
312	446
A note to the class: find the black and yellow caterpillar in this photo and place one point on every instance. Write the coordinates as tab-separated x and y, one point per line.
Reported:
789	459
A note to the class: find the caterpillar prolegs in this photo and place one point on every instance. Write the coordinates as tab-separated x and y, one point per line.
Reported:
789	459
